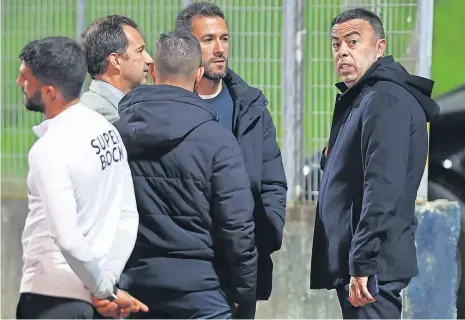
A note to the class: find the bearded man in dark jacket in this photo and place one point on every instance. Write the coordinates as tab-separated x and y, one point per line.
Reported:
243	110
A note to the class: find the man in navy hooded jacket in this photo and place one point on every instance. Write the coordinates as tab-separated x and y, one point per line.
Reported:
192	191
364	238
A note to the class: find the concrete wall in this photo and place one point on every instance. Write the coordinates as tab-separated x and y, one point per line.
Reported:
13	215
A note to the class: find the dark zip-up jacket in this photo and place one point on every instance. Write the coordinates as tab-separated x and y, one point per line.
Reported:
365	222
256	134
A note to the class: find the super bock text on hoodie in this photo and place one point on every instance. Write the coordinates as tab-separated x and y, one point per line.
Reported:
365	222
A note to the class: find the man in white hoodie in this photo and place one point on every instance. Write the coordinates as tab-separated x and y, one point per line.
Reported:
82	221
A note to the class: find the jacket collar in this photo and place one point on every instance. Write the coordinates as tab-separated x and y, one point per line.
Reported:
240	91
107	91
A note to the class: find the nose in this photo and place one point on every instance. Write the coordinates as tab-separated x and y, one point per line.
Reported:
343	50
148	58
19	81
219	48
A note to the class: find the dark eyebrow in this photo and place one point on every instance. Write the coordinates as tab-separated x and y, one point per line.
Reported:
211	35
351	34
333	37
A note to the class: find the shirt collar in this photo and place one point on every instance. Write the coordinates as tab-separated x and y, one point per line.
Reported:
42	127
113	90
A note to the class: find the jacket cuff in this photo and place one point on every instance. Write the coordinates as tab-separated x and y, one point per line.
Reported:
323	159
362	268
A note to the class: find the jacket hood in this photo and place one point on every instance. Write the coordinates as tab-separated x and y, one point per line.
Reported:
387	69
160	116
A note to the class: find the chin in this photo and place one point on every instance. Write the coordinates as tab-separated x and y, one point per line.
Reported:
214	75
348	79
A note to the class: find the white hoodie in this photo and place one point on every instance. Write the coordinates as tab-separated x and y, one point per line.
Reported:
82	222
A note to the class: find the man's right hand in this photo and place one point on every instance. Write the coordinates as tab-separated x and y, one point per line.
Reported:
121	307
326	151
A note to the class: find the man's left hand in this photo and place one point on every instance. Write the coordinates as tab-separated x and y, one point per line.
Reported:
358	292
114	309
108	309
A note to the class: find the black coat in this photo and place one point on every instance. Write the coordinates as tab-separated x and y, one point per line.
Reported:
378	144
256	134
193	196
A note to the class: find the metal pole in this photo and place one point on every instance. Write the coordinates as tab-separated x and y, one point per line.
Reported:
80	17
80	24
292	79
423	67
299	96
288	97
185	3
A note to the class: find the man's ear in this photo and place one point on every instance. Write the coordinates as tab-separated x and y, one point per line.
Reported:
200	73
48	93
380	48
113	60
152	72
198	77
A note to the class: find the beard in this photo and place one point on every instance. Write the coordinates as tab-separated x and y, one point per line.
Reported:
214	75
34	103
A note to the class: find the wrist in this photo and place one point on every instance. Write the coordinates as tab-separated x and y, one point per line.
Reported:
114	294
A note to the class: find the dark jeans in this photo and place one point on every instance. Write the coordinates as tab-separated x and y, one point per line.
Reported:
196	305
388	304
245	311
37	306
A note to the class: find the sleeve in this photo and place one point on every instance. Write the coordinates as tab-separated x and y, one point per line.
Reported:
126	233
55	186
273	184
232	208
385	143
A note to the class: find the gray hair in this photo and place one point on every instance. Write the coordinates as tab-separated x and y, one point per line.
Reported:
177	53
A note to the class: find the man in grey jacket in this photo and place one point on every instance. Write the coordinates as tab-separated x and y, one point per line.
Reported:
117	62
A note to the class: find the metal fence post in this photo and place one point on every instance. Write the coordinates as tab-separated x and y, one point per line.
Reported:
423	67
80	17
80	23
292	80
185	3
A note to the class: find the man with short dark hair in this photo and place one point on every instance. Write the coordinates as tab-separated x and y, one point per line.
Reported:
243	111
364	239
192	191
82	220
117	62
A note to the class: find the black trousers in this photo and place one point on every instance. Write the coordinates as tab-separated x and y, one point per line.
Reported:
245	311
37	306
388	304
196	305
